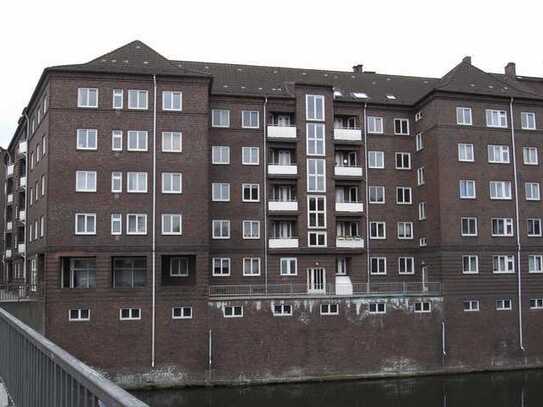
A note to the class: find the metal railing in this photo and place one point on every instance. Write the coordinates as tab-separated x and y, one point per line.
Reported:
340	290
37	372
19	292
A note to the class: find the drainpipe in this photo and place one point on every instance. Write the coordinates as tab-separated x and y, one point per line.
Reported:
27	173
365	126
515	176
265	190
153	327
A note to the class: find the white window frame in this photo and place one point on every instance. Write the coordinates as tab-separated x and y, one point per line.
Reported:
463	113
537	303
218	197
117	136
469	258
87	133
504	304
376	188
527	121
474	306
534	221
422	210
172	216
138	216
86	216
183	270
222	262
81	98
507	224
247	152
527	152
509	260
117	93
79	317
375	125
409	263
317	234
502	151
220	151
116	218
85	174
403	201
172	175
312	113
419	142
285	310
317	176
420	176
137	93
250	222
223	222
496	118
422	307
220	112
251	189
182	314
373	159
116	176
252	261
467	182
402	121
377	308
534	260
377	224
403	155
405	226
286	263
137	175
329	309
316	212
132	313
462	229
171	135
314	141
466	153
233	309
532	191
495	187
250	113
168	96
137	133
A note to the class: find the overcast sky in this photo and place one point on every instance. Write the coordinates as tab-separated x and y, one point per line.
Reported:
425	38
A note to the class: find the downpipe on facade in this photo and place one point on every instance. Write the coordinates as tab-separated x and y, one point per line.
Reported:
265	191
365	127
153	318
27	172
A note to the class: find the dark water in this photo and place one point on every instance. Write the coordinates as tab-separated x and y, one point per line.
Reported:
511	389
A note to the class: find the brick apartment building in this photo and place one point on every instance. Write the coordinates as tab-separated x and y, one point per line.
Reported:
190	222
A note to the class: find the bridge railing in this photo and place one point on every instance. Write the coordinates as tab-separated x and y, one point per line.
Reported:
36	372
19	292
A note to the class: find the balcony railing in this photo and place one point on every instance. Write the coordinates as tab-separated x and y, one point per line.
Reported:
283	205
19	292
397	289
349	207
22	216
9	225
351	171
281	169
21	248
281	132
349	134
349	242
283	243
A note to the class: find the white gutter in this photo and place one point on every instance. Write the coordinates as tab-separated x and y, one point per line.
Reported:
515	176
265	190
153	327
365	127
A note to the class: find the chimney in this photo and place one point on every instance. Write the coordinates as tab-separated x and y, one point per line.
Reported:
358	68
511	70
467	60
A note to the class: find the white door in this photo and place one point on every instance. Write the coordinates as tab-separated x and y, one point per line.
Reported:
316	281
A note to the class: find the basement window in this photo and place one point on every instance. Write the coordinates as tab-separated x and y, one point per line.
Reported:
329	309
182	313
282	310
377	308
233	311
129	314
423	306
80	314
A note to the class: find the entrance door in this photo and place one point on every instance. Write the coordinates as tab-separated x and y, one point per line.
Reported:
316	281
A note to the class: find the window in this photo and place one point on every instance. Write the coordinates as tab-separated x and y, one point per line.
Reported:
314	107
470	264
403	161
79	272
329	309
117	102
422	210
316	175
251	266
403	196
502	227
498	154
469	226
85	181
250	192
315	139
532	191
117	182
220	192
377	230
172	224
87	97
377	308
530	156
129	272
534	227
422	307
281	310
178	266
317	239
376	159
500	190
172	183
136	224
137	140
536	303
535	264
467	189
220	118
405	230
463	116
527	120
42	226
250	155
420	176
137	99
42	186
375	125
401	127
496	118
85	224
221	266
44	145
503	305
116	140
503	264
251	229
221	229
220	155
419	142
423	242
79	314
136	182
288	266
37	153
130	314
233	311
87	139
181	312
406	265
172	101
116	224
342	265
249	119
376	194
172	142
471	305
418	116
316	212
465	152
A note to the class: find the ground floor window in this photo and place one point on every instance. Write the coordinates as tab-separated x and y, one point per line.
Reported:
80	314
79	272
181	312
126	314
233	311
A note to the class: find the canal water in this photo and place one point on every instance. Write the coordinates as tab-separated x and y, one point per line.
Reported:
507	389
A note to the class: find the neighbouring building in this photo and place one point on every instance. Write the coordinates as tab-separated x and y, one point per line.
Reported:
190	222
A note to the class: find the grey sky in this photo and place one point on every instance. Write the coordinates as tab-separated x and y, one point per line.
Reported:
425	38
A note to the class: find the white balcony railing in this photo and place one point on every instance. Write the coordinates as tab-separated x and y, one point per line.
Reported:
22	215
10	198
282	132
348	171
290	243
350	242
22	182
21	248
348	134
9	170
349	207
276	169
9	225
8	254
22	147
283	205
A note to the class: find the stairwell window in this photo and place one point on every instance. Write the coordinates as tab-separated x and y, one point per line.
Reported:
137	140
377	230
116	224
136	182
496	118
534	227
172	224
401	127
503	264
220	118
500	190
220	228
316	212
406	265
136	224
314	107
138	99
221	266
85	223
172	101
470	264
532	191
376	159
116	182
87	139
405	230
250	155
87	97
118	95
467	189
465	152
504	305
469	226
172	142
529	155
249	119
316	175
116	140
471	306
220	155
535	263
498	154
85	181
251	266
375	125
502	227
172	183
463	116
316	239
315	138
527	120
289	266
79	314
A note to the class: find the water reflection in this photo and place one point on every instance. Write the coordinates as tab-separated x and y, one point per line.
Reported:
511	389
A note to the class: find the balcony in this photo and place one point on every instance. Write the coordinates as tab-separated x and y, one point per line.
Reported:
8	254
9	226
22	147
9	199
342	134
283	243
347	171
9	170
279	169
349	242
21	248
22	215
351	207
282	132
282	206
22	182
